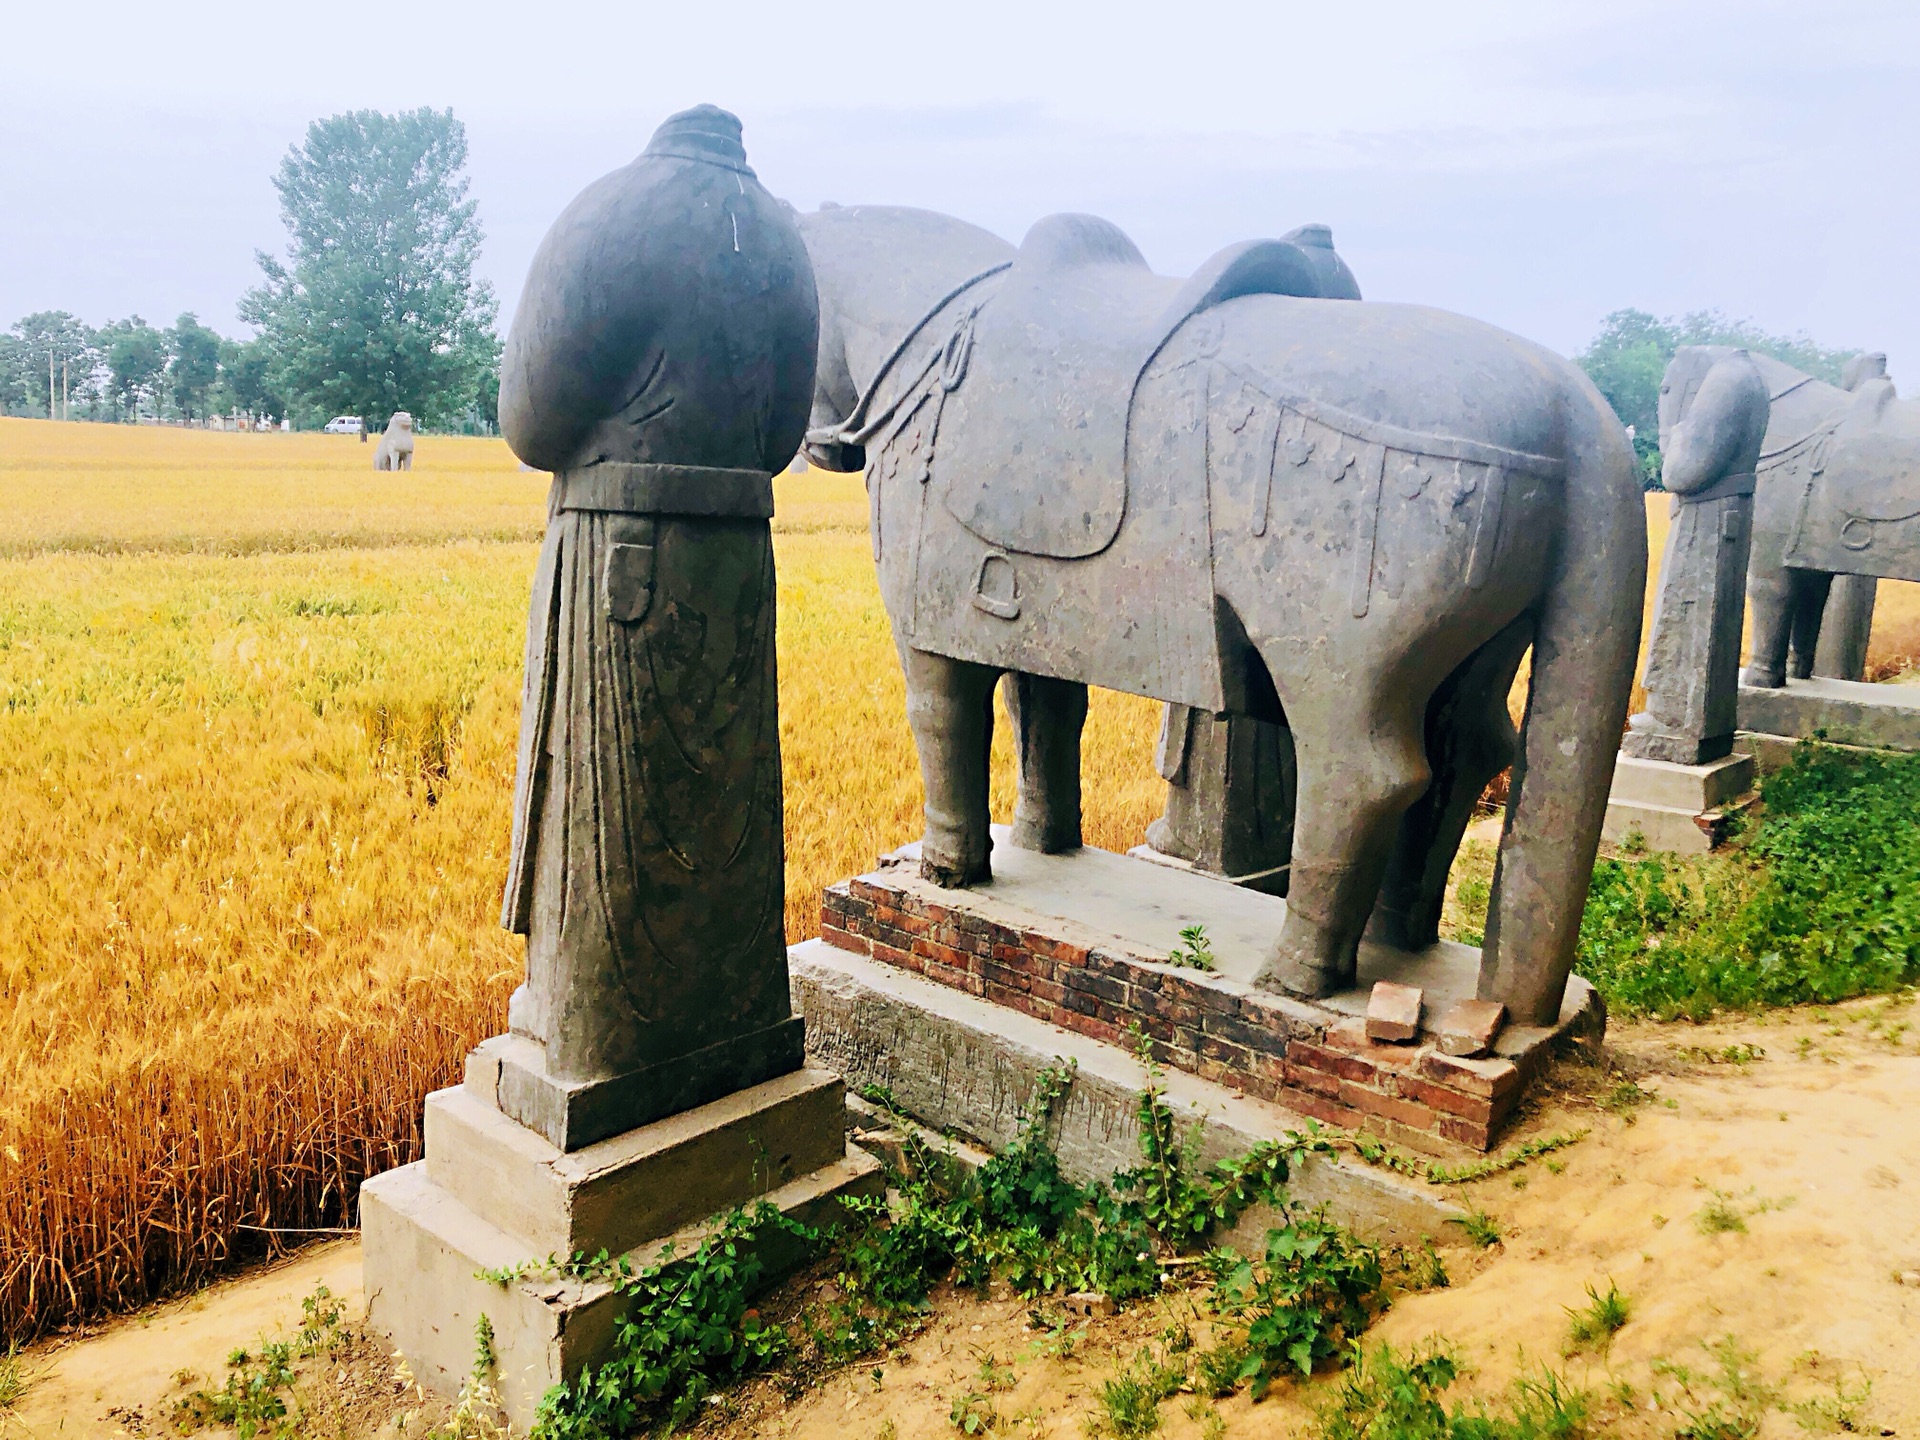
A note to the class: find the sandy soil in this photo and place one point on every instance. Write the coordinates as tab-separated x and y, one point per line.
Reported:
1814	1146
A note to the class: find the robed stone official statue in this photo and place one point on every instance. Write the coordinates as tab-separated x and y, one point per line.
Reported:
660	365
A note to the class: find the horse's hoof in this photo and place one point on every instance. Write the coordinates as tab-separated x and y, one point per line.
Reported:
954	877
1045	837
1759	677
1302	982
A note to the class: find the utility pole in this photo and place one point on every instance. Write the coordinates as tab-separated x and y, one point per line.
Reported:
66	410
53	397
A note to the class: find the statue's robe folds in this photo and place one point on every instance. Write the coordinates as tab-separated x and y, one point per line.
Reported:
646	867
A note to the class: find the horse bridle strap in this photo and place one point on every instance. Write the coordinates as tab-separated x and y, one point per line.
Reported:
857	427
643	489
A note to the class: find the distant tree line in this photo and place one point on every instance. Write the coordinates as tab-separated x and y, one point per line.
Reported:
374	308
1627	358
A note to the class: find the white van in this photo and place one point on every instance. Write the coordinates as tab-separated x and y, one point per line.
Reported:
344	425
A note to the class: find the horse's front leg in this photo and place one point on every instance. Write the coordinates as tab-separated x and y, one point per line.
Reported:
1048	716
950	710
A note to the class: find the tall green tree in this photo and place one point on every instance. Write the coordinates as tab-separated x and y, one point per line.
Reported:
375	307
1627	358
13	374
71	344
246	379
193	365
136	359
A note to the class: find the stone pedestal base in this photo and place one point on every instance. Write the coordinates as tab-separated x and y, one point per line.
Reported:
1685	809
1080	941
492	1194
1876	717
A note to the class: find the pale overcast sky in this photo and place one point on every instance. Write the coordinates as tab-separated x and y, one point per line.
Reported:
1535	164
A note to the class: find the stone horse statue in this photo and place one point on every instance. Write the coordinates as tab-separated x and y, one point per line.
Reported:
1837	494
395	450
1351	517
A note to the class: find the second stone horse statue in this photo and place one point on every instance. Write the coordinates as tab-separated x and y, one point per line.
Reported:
1352	517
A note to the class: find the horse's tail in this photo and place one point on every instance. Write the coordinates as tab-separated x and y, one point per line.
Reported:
1586	646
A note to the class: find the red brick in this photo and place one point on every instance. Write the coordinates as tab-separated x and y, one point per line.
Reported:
1162	1006
1051	991
1316	1080
1212	1047
1240	1031
1089	1025
1347	1067
845	939
1465	1132
1106	987
1327	1112
1441	1097
1173	1054
1393	1012
1494	1079
1378	1102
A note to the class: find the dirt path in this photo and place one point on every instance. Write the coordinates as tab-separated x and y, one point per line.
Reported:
1806	1157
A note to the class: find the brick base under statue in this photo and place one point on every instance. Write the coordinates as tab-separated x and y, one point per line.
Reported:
1080	941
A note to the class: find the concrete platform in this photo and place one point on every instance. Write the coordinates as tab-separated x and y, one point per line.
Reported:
1684	809
961	1064
1081	940
492	1195
1877	717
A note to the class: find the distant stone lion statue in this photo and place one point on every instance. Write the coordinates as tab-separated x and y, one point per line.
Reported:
395	450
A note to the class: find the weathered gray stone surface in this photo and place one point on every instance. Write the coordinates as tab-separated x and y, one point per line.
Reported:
1685	809
1839	494
660	364
1876	717
635	1187
1221	490
423	1251
1231	779
1713	418
960	1063
395	450
1230	793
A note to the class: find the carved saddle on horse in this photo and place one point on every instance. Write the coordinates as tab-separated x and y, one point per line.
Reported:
1070	411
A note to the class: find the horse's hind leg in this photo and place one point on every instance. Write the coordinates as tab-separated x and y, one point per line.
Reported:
950	710
1809	607
1360	765
1048	716
1470	739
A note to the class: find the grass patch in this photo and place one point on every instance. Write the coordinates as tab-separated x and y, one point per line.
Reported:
1599	1320
1822	903
1390	1396
1482	1228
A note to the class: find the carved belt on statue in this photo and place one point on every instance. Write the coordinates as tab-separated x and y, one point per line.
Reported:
697	490
1725	488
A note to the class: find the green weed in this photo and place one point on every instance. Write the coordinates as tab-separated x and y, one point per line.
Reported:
1315	1289
1482	1228
1130	1401
1596	1322
1509	1159
1389	1396
1196	951
14	1379
972	1413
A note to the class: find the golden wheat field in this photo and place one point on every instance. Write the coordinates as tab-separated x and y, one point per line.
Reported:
255	774
257	714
